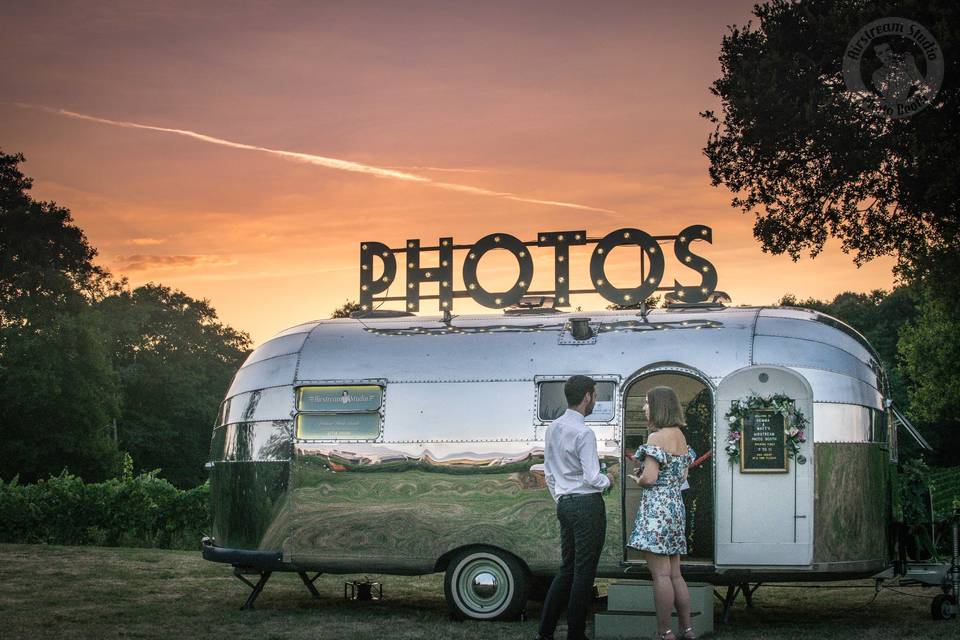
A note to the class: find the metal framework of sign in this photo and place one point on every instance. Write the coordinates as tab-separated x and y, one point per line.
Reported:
762	443
442	271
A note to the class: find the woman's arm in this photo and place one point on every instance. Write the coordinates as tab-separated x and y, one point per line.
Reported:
651	471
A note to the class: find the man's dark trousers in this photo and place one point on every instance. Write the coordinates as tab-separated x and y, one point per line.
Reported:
583	525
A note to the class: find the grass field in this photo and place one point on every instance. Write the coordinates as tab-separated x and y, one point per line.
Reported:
93	592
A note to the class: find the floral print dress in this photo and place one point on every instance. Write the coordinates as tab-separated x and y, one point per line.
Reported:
661	517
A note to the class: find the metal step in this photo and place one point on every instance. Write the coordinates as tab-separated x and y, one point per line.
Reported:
631	613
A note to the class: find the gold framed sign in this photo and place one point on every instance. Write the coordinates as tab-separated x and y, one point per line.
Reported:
763	442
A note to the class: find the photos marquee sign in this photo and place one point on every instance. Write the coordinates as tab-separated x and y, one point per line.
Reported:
441	271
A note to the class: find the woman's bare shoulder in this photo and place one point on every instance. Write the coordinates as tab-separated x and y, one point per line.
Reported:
656	437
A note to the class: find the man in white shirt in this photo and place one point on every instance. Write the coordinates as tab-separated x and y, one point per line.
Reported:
575	480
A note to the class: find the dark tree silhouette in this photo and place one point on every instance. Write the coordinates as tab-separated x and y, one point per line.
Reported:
798	150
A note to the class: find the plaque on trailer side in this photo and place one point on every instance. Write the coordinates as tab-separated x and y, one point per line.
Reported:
763	442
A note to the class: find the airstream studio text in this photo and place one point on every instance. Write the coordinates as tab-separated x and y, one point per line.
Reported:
561	241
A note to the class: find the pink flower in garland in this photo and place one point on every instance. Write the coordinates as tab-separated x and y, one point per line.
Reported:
735	435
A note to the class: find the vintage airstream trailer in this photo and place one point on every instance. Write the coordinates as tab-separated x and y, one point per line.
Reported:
412	445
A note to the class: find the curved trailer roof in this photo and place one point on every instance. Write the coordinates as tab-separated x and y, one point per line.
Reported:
839	364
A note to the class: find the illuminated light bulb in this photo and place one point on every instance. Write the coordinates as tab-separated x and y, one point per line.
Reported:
559	258
364	287
427	274
385	254
496	238
410	264
496	300
445	284
364	307
600	283
364	267
576	237
410	244
600	250
472	286
384	279
560	279
443	304
626	297
444	263
364	247
560	237
706	269
680	294
562	299
683	239
703	289
703	232
410	286
522	283
410	306
626	234
687	259
543	238
651	280
652	250
523	253
472	256
445	243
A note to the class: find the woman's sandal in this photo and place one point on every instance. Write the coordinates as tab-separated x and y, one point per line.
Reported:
666	635
688	634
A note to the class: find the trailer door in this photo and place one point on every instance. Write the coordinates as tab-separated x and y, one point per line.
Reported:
764	505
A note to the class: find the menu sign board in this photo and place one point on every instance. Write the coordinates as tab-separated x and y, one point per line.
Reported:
763	443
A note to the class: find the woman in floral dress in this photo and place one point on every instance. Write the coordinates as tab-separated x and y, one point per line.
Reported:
659	528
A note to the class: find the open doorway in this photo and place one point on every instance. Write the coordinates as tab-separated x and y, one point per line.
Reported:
697	401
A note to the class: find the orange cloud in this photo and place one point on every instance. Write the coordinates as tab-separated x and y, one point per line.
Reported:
142	262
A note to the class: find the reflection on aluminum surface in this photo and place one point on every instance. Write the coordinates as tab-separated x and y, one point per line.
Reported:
403	506
852	509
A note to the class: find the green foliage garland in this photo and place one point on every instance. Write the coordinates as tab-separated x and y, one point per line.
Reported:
779	403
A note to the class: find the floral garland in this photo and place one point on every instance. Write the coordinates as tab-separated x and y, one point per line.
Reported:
784	405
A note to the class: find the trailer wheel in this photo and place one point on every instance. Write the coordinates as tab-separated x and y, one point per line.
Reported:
943	607
485	584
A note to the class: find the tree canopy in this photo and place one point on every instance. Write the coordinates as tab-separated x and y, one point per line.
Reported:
800	151
79	350
57	389
175	361
796	147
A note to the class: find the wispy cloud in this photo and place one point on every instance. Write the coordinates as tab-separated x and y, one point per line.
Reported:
144	262
323	161
445	169
145	242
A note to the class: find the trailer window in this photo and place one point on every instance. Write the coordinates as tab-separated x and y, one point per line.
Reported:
339	412
553	402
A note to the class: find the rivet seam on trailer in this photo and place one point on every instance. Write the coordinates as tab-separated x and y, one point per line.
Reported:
273	357
753	336
794	365
815	341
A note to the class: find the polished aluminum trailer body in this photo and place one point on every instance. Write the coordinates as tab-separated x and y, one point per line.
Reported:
453	465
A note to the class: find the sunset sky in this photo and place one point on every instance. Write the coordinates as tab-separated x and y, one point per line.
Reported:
242	151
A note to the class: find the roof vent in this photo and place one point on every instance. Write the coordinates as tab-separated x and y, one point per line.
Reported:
580	329
533	305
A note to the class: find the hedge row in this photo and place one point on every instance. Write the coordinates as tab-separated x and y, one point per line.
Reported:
141	511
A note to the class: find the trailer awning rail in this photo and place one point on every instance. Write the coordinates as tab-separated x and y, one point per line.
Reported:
909	428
